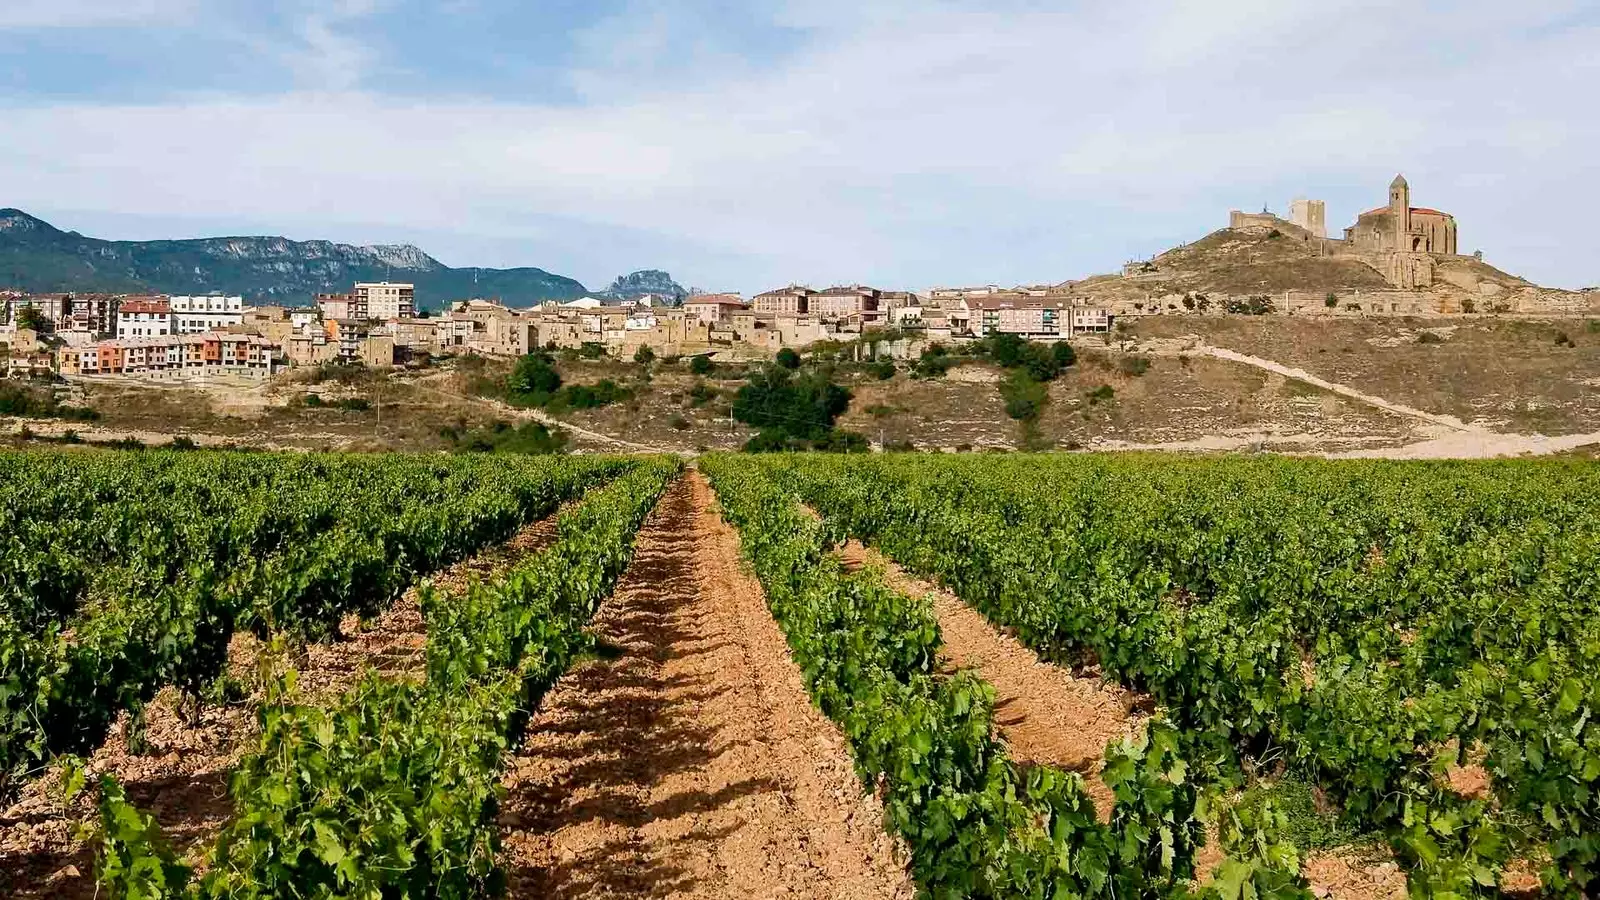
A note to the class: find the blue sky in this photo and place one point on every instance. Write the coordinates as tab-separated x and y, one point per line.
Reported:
746	144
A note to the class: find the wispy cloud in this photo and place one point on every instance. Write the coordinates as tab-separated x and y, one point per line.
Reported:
900	142
49	14
329	54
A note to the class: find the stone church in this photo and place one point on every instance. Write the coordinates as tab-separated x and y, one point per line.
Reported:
1401	227
1402	242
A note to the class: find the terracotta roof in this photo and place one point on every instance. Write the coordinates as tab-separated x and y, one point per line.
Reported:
1017	301
1415	210
791	289
146	305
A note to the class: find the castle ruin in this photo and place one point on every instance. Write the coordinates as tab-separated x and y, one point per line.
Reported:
1402	242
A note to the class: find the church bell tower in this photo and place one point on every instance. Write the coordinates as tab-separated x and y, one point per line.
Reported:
1400	208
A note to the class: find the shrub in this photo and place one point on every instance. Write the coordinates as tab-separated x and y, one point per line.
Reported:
581	396
1468	306
1428	337
532	438
1134	365
1331	301
934	362
701	365
1064	355
532	381
1024	397
788	359
701	393
881	411
804	406
644	356
841	441
883	369
1563	341
312	401
679	423
592	350
1254	305
355	404
1101	394
22	400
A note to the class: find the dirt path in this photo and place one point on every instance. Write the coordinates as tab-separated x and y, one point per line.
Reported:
537	415
688	760
1331	387
1046	714
182	778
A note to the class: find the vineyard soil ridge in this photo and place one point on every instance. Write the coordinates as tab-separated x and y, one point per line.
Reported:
688	759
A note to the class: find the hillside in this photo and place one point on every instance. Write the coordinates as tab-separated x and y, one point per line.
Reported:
1497	376
37	256
1252	262
1238	262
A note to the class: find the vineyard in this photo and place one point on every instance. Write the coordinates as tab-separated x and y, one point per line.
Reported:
569	676
1385	631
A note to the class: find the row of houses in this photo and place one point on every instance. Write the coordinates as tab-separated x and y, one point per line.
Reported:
88	317
377	325
215	353
946	314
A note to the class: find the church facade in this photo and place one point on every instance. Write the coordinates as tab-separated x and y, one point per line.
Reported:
1401	227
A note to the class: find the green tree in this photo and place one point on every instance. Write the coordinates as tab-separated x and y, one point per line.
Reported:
1025	397
701	365
1064	355
533	381
803	406
1007	350
788	359
644	356
30	317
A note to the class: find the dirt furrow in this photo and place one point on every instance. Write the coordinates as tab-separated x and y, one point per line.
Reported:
181	776
687	760
1046	714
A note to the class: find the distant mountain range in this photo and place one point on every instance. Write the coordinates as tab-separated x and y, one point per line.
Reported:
37	256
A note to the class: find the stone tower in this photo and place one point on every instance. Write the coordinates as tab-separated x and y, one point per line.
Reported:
1400	208
1312	215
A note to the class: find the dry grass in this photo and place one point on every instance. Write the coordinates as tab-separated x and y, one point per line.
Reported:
1506	373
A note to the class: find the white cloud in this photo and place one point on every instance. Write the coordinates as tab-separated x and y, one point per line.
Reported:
42	14
329	57
954	144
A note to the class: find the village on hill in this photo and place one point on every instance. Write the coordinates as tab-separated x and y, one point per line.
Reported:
1395	260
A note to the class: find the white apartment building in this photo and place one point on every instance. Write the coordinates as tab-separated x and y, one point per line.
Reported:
385	300
197	315
144	317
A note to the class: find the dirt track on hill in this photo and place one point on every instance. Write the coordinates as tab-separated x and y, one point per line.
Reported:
182	779
687	761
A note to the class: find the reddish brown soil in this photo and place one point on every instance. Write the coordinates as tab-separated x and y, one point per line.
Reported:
1046	714
687	760
1343	875
394	643
183	778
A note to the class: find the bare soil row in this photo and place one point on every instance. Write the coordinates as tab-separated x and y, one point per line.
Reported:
1049	715
686	760
181	775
